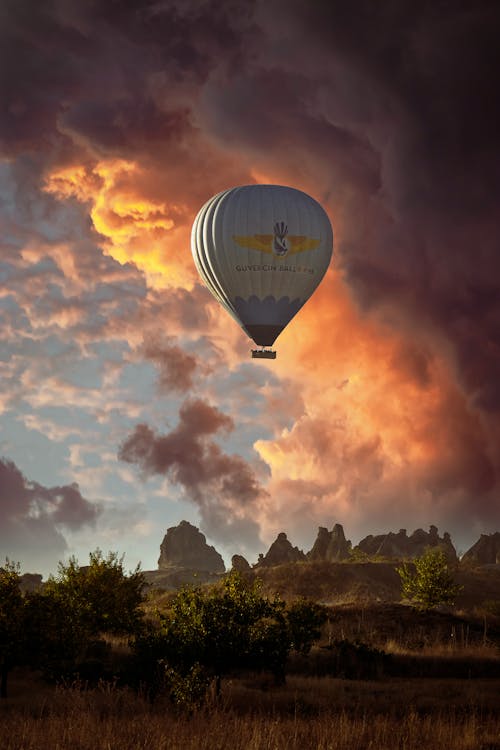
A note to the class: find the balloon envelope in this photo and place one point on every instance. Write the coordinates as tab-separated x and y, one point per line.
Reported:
262	250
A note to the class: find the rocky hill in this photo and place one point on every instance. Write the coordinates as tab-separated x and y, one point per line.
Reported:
280	551
184	546
331	568
486	551
400	546
185	557
369	583
330	545
31	581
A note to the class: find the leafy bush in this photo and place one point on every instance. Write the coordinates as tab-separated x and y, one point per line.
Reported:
226	628
101	596
429	581
187	691
305	619
58	629
11	611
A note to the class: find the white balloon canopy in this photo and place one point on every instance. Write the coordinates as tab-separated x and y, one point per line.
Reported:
262	250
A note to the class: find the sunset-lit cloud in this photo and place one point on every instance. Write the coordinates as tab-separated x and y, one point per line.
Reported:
381	409
135	229
386	431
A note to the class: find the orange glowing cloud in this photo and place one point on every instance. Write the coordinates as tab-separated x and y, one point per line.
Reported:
383	420
371	414
135	228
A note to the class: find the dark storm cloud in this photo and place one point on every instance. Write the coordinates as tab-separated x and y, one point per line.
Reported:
84	67
34	82
438	62
392	108
388	112
33	517
223	486
432	249
430	256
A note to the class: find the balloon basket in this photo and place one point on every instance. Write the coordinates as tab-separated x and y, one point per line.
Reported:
263	354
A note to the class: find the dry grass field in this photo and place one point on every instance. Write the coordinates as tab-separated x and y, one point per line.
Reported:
308	713
384	677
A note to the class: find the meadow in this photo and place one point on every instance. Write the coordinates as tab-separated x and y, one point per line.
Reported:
383	676
308	712
424	690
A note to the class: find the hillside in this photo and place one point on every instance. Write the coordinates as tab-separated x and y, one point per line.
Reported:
369	582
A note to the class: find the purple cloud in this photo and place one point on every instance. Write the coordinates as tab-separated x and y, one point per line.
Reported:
224	487
33	517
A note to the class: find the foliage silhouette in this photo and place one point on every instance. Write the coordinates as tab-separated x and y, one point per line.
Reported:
58	628
101	595
11	610
429	582
229	627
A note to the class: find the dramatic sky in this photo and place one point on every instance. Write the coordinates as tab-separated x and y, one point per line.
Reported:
128	400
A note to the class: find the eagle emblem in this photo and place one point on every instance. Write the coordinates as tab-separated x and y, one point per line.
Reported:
280	233
280	243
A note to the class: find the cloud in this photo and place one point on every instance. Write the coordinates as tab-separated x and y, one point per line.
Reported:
224	487
176	367
388	437
132	225
122	121
397	139
33	517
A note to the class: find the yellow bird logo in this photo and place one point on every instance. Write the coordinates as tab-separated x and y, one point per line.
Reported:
280	243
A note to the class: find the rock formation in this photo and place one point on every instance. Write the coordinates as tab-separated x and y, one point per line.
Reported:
486	551
330	545
240	564
280	552
401	546
31	581
185	547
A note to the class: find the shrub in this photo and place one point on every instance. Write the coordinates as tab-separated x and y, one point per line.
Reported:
429	582
229	627
11	615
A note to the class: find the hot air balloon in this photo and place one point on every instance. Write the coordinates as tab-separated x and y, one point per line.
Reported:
262	250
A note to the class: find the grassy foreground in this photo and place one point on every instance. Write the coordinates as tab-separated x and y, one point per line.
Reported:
383	677
320	713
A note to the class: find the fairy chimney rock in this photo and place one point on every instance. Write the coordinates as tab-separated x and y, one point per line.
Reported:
240	564
280	552
400	545
330	545
486	551
184	546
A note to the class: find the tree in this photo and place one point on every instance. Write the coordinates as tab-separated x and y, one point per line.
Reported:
64	621
57	638
231	626
11	615
429	582
305	619
213	632
55	628
100	596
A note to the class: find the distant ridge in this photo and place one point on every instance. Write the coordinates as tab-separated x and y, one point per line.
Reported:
185	556
332	546
486	551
